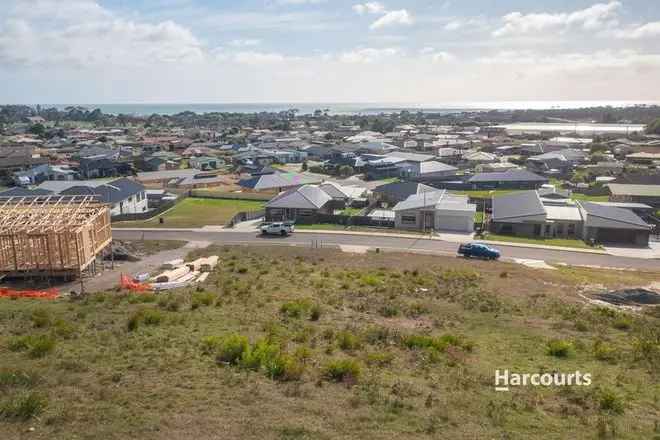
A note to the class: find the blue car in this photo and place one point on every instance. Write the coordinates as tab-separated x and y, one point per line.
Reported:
478	250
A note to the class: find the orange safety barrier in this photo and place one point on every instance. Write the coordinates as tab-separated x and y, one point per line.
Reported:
129	283
42	294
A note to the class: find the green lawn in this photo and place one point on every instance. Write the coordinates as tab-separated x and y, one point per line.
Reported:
334	227
195	213
351	211
586	198
485	194
564	242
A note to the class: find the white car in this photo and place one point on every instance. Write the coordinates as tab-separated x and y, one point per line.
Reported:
280	228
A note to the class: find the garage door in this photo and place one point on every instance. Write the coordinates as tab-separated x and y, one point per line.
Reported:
455	223
605	235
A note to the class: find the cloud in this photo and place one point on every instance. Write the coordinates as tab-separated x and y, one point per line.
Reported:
300	2
392	18
245	42
369	8
367	55
89	35
256	58
648	30
595	17
436	56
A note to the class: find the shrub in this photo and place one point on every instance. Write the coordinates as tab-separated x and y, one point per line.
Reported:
439	344
390	311
259	355
343	370
315	312
611	402
380	358
559	348
604	352
230	349
370	280
622	323
347	340
37	345
40	318
23	407
203	299
64	329
145	316
295	309
284	368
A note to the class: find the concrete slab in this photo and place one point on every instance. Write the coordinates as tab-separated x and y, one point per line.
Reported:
534	264
456	237
354	249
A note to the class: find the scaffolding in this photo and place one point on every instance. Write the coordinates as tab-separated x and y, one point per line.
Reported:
52	235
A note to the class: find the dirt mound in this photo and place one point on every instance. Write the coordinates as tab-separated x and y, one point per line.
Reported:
630	297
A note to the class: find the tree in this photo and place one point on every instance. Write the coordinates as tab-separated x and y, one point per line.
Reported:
38	130
346	171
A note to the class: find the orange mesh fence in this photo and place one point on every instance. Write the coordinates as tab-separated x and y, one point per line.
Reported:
129	283
44	294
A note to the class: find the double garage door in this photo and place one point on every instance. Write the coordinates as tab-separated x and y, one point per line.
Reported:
611	235
455	223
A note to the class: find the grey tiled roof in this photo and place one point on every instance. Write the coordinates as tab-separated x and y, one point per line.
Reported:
614	214
508	176
305	197
518	204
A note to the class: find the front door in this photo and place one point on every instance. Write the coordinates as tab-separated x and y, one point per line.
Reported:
428	221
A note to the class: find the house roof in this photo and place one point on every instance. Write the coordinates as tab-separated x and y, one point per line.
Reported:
435	167
614	214
439	199
333	190
277	180
305	197
634	190
402	190
24	192
508	176
517	204
111	192
411	157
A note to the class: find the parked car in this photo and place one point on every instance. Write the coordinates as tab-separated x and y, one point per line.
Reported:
280	228
478	250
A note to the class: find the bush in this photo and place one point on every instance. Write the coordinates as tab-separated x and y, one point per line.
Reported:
390	311
40	318
203	299
37	345
605	352
611	402
370	280
315	312
379	358
439	344
64	329
295	309
146	317
559	348
230	349
347	340
23	407
262	353
284	368
343	370
622	323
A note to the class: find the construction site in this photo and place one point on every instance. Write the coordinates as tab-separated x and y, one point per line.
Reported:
52	236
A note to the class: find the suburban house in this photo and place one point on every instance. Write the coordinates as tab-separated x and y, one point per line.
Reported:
558	162
647	194
93	168
125	196
41	173
205	163
510	179
526	214
437	210
429	170
14	159
395	192
300	204
277	181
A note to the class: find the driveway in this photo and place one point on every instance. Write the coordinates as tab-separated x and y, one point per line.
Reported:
651	252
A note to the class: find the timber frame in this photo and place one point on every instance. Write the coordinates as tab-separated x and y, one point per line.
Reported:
51	235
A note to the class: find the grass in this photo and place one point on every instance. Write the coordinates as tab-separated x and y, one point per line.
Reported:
351	211
299	339
563	242
195	213
586	198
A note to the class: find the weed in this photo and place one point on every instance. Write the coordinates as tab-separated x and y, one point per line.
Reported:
390	311
622	323
610	402
64	329
347	340
23	407
37	346
18	378
605	352
230	349
40	318
295	309
439	344
315	312
202	299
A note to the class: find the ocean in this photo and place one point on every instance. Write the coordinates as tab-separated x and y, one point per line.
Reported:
145	109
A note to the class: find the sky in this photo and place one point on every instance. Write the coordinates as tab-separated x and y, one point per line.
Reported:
390	51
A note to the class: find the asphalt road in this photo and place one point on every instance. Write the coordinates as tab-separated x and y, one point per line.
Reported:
413	244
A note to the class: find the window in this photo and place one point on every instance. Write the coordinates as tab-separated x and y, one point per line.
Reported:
409	219
571	229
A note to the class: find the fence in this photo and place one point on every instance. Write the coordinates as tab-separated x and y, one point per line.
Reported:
209	194
348	220
146	215
245	216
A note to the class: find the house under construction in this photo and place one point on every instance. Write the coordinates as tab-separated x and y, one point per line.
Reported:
51	235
